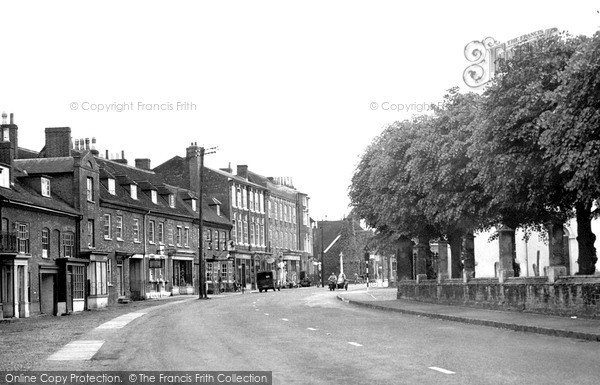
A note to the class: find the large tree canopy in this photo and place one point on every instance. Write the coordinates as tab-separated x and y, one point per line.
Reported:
525	153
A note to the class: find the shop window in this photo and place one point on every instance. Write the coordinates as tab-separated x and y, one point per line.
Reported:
182	273
78	279
97	273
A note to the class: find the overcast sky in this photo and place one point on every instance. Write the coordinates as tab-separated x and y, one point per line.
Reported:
284	87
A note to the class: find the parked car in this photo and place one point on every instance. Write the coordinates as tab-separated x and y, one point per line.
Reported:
266	280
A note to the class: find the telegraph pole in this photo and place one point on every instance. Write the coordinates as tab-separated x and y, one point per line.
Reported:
202	290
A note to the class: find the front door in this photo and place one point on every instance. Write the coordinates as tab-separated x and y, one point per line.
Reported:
69	289
47	294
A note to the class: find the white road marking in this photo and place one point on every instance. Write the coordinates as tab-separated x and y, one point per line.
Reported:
285	319
77	351
313	329
354	343
121	321
445	371
266	313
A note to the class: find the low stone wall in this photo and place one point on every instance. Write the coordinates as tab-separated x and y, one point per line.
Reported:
567	296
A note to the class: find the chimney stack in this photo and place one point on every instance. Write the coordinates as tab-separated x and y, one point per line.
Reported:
142	163
122	160
228	168
242	171
192	158
58	142
10	133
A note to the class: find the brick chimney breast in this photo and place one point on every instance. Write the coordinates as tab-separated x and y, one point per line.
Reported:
58	142
242	171
142	163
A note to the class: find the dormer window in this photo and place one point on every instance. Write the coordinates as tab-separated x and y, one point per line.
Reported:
111	186
45	187
154	196
171	200
133	189
194	205
4	177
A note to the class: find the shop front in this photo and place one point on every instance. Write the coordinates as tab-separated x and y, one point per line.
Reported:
245	270
182	274
157	276
72	279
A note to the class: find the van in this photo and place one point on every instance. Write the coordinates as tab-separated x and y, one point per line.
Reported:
266	280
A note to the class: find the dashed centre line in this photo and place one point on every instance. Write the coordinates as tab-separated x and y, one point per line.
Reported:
77	351
285	319
445	371
312	329
354	343
121	321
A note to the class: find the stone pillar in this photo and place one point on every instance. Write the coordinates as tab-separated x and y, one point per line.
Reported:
422	250
404	259
442	263
558	258
468	250
506	242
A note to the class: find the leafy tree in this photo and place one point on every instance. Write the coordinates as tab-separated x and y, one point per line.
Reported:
381	190
571	140
445	174
526	190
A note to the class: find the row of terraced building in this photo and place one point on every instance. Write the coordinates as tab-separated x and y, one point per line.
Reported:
81	231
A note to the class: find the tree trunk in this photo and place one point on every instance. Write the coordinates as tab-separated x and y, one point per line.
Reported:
585	239
455	241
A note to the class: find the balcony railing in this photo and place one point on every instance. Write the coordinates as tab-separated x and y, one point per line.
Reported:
9	243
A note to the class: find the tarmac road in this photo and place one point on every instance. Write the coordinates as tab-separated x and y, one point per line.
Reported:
308	336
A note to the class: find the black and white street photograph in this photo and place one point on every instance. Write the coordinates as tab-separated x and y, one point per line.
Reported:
299	192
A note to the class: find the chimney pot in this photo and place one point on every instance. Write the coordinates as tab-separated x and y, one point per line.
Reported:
4	116
12	118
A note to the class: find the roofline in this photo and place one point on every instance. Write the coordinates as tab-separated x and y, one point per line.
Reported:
41	208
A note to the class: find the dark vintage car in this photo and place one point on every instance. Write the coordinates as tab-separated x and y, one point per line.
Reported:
266	280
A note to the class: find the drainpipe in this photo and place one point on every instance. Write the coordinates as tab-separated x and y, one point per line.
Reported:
144	263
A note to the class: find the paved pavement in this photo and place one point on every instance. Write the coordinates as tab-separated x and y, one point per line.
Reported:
385	299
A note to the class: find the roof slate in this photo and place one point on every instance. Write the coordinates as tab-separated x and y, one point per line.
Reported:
24	194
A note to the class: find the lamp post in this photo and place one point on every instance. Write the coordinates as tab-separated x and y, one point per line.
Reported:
202	290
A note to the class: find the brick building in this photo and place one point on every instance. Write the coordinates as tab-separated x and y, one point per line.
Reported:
289	231
40	271
238	199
